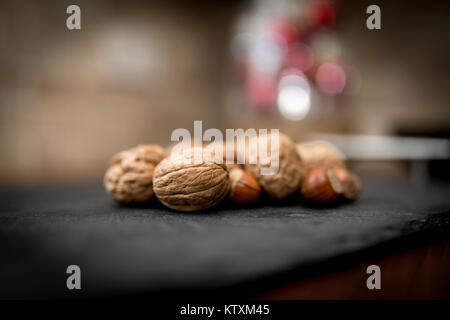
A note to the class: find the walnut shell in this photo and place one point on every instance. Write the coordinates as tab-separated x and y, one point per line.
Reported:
316	154
183	185
290	174
130	174
351	183
231	166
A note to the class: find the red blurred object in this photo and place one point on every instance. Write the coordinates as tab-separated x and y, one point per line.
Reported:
299	56
287	30
261	91
331	78
321	13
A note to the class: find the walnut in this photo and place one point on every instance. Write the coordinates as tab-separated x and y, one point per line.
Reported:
231	166
290	174
320	153
183	185
130	174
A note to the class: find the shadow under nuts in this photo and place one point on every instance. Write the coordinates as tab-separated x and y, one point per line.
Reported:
183	185
129	176
244	188
321	186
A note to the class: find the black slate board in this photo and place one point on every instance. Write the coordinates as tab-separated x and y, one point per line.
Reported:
142	250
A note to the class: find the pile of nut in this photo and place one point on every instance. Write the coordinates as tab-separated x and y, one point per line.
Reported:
312	170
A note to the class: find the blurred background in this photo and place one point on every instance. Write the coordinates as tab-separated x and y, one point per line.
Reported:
137	70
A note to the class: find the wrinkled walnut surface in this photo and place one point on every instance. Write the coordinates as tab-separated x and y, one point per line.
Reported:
130	174
290	174
186	186
320	153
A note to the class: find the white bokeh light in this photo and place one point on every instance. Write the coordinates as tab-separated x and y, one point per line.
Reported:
265	57
294	97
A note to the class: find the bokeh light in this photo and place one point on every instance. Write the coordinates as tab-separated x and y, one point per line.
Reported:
321	13
261	91
294	96
287	30
326	46
267	54
331	78
299	56
274	39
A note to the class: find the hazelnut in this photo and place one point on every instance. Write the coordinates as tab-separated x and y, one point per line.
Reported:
321	186
351	184
244	188
129	176
320	153
181	184
290	174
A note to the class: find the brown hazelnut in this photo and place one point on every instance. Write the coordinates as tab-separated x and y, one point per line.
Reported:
184	185
351	184
321	186
130	174
244	188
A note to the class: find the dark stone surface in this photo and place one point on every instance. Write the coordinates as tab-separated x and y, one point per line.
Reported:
142	250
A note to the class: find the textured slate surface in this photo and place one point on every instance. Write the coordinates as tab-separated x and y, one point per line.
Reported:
142	250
